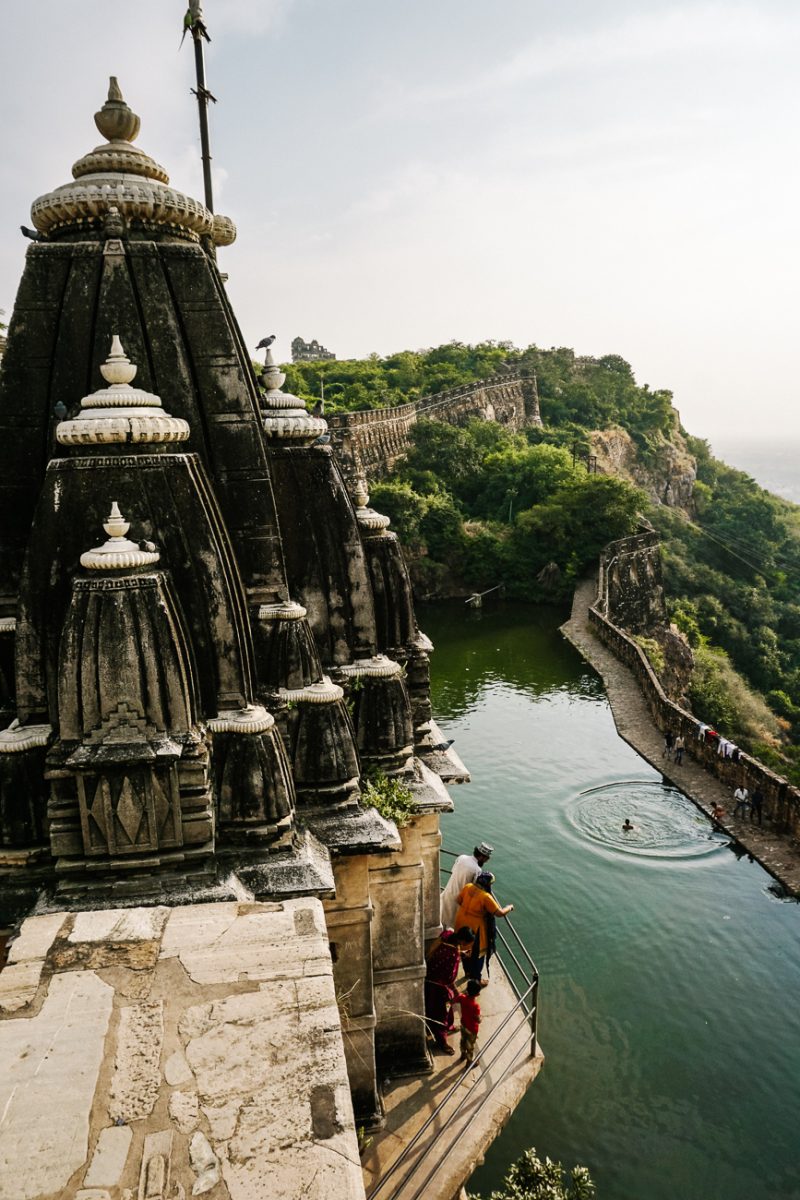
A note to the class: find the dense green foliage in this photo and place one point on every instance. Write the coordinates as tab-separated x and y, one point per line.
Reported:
354	384
534	1178
732	577
580	393
480	506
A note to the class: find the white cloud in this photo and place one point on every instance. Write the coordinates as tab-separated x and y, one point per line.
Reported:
715	29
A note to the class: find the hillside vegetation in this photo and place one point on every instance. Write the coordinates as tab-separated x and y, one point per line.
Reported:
478	506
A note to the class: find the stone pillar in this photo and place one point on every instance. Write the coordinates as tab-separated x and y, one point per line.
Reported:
397	888
349	921
530	393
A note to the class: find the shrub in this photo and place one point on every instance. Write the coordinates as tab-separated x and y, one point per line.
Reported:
390	797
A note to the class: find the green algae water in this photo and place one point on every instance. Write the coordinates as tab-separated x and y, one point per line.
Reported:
670	968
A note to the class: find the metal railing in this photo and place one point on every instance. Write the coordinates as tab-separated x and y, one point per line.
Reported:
523	977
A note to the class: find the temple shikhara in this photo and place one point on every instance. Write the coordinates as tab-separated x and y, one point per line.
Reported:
207	645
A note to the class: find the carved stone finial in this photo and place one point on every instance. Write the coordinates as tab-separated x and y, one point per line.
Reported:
119	412
285	416
117	554
115	120
368	519
115	524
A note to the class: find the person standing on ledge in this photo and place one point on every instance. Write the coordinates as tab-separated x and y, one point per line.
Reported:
478	908
466	869
680	746
669	742
742	798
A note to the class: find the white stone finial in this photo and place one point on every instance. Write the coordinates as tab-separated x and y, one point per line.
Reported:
119	554
118	370
368	519
120	413
115	524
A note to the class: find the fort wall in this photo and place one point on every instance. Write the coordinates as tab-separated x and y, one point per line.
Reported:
372	442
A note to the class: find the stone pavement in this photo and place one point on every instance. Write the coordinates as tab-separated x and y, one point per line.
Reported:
456	1141
157	1054
778	854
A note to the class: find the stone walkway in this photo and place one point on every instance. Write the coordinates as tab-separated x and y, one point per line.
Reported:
777	854
458	1137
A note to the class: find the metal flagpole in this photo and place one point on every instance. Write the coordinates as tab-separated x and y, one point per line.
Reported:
194	21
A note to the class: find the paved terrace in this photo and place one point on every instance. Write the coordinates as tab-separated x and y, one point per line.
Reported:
482	1102
157	1054
778	854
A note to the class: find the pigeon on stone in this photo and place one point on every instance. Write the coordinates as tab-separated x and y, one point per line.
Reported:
60	410
266	342
442	746
30	233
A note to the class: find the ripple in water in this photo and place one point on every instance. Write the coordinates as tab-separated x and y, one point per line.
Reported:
667	825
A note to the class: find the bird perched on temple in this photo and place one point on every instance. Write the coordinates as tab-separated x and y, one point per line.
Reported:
442	746
60	410
30	233
266	342
193	19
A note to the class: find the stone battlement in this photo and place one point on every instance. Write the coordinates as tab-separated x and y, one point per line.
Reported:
373	441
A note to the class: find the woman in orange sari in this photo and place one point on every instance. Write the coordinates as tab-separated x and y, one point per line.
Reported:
477	908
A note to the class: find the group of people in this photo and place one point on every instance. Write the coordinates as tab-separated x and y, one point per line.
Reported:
467	941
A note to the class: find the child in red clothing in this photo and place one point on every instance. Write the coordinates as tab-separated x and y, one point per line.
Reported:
470	1019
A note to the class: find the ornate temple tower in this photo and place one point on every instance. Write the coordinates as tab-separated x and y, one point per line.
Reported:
188	710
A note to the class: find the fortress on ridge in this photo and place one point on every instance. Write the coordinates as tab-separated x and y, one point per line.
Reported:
206	645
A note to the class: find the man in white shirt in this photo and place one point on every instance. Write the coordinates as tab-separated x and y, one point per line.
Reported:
742	798
466	869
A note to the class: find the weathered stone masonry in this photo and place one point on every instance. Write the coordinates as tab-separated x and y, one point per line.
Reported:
372	442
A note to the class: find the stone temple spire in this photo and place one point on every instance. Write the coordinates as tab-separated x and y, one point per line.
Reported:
119	175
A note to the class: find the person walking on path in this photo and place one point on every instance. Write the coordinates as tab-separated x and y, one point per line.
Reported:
470	1020
478	908
680	746
756	804
443	958
669	742
466	869
742	798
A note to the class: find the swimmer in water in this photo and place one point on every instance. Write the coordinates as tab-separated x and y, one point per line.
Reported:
627	827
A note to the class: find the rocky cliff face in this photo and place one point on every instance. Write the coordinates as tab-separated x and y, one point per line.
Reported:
668	478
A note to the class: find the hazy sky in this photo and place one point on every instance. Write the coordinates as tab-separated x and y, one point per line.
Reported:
614	176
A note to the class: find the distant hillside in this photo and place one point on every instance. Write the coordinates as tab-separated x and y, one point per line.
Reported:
480	505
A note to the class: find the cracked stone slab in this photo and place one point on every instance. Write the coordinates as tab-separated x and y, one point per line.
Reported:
120	925
137	1073
110	1156
19	984
52	1058
195	925
254	943
36	937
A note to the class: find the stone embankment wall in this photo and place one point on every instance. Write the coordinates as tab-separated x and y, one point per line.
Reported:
372	442
782	800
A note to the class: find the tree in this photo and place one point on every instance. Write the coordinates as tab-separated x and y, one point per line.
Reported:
533	1178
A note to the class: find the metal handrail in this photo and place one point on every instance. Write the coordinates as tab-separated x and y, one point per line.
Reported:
420	1190
452	1090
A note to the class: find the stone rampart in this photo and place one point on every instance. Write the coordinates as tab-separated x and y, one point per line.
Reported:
372	442
781	798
